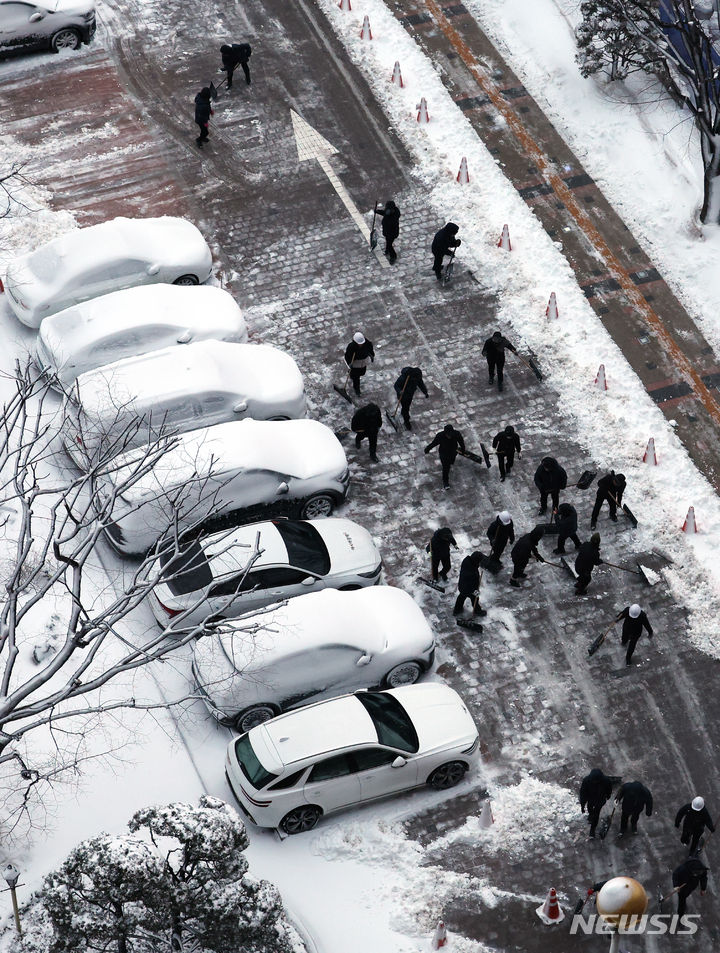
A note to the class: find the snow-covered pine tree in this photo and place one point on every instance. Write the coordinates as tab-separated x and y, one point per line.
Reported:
606	43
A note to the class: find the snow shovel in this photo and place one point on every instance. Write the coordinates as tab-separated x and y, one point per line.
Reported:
471	623
636	572
627	511
448	269
476	458
431	583
661	900
214	90
531	365
582	901
342	433
392	418
586	478
373	231
607	823
601	638
343	390
570	569
492	565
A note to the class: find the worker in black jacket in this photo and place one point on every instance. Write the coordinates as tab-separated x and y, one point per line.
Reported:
439	549
366	422
500	532
357	354
695	818
567	522
634	621
521	552
444	243
203	112
506	444
494	353
595	790
390	227
408	382
233	56
610	488
449	441
469	584
550	478
633	796
587	559
688	876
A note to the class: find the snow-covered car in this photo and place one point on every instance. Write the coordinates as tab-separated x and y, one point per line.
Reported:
313	647
211	577
132	322
93	261
224	476
136	401
53	25
289	771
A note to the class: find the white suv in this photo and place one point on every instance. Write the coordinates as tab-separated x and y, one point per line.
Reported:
59	25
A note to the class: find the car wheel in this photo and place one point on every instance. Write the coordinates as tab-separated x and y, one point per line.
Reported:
254	716
300	820
406	673
316	507
281	417
65	40
447	775
351	587
186	280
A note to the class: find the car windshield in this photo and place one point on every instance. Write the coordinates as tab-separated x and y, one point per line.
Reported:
390	719
250	763
304	545
189	569
45	262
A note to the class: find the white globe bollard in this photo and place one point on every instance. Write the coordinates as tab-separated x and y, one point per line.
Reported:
621	902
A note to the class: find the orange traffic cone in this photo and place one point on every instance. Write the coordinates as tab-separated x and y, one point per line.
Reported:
551	911
551	311
366	32
600	381
422	115
650	456
463	176
504	240
486	815
397	75
439	936
345	5
689	525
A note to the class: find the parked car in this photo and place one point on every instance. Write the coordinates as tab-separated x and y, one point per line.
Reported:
93	261
132	322
133	402
291	770
309	648
210	576
223	476
54	25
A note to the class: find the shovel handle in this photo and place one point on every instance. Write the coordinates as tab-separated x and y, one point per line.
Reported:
624	568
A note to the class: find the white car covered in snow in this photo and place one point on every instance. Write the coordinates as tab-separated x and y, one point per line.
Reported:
132	322
289	771
211	577
134	402
224	476
96	260
313	647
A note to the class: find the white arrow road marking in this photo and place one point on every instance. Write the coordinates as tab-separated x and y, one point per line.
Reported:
311	145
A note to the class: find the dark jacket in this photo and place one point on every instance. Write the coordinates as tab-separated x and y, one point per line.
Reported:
691	873
448	444
550	476
500	534
611	483
506	442
526	546
566	519
587	558
359	352
634	796
445	239
693	820
633	627
234	55
469	581
414	378
442	540
595	789
390	219
494	348
203	107
366	419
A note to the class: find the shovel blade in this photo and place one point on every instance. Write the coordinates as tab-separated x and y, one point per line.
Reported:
566	565
391	420
343	393
469	624
648	576
586	478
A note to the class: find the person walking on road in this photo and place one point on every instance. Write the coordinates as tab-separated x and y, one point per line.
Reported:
695	818
500	532
494	353
587	559
506	443
689	876
408	382
203	112
357	354
595	790
634	797
567	523
521	552
469	585
610	488
549	478
449	441
439	549
634	621
366	422
233	56
444	243
390	227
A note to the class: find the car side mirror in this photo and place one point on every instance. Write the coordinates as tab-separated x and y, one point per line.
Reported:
364	660
36	16
185	337
240	407
308	581
283	488
399	762
153	269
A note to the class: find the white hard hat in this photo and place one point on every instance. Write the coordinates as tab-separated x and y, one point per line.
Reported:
634	610
358	338
698	804
505	517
